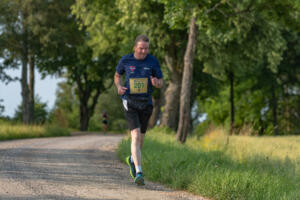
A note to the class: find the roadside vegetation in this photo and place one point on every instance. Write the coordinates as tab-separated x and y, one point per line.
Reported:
10	131
221	167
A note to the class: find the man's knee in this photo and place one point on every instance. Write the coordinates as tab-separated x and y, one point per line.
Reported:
135	135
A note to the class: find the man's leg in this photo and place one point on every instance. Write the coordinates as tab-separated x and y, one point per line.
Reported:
136	155
136	148
137	141
142	137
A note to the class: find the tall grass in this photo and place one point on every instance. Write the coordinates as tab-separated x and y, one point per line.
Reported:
17	131
221	167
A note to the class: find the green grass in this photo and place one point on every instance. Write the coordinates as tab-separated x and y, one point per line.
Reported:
245	167
17	131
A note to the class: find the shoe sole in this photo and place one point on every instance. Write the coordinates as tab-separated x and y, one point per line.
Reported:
128	163
139	181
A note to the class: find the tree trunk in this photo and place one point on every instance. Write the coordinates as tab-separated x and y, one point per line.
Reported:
31	88
85	94
84	116
24	79
185	94
232	114
25	91
170	115
274	109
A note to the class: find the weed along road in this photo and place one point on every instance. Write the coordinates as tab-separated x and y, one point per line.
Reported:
79	167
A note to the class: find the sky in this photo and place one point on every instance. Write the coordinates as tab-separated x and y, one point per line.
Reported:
11	93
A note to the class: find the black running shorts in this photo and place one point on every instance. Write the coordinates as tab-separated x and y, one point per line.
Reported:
137	118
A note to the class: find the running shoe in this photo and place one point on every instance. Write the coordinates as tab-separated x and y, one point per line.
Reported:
131	167
139	179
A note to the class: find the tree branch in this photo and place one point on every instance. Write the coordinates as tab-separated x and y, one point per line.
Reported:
213	8
238	11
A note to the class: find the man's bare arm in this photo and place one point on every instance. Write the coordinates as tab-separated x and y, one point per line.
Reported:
118	83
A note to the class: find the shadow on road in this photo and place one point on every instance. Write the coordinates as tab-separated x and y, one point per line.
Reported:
57	165
53	168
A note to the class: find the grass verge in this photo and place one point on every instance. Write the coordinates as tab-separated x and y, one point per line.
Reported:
215	168
10	132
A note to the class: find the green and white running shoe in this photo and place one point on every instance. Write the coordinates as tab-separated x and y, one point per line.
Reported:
131	167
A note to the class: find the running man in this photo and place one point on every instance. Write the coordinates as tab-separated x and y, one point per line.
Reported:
105	121
142	71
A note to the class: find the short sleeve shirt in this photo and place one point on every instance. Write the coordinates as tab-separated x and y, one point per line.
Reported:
137	74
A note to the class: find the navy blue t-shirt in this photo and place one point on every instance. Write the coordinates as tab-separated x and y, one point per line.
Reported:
137	73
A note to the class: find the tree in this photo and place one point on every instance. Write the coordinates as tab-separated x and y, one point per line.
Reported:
110	102
288	79
254	42
175	17
66	109
185	94
17	42
2	108
226	26
87	73
132	18
71	54
25	31
40	114
4	77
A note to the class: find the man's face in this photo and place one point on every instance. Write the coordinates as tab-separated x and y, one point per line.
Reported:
141	50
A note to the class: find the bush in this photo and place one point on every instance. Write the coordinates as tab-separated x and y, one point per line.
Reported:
118	125
55	131
19	131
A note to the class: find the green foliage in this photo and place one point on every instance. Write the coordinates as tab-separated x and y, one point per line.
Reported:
73	54
253	96
54	131
202	128
40	112
66	110
98	17
2	108
110	102
219	174
256	40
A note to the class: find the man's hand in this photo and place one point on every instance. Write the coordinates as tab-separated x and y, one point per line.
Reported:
156	82
117	80
121	90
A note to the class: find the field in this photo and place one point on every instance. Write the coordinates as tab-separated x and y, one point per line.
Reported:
9	131
221	167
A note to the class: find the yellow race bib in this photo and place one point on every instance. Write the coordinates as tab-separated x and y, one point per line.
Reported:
138	85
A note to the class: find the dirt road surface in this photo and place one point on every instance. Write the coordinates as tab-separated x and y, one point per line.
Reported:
70	168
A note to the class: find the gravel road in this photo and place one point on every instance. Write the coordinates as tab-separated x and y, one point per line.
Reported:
78	167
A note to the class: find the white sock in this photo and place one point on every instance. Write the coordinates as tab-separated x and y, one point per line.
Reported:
138	169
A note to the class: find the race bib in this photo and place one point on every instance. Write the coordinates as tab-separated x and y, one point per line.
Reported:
138	85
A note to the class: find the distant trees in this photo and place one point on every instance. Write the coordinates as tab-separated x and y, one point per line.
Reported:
234	39
45	34
235	62
18	47
40	114
66	109
26	32
71	54
2	108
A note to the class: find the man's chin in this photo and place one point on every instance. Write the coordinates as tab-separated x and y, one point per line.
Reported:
141	57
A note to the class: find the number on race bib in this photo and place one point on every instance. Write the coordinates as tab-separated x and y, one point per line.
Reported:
138	85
